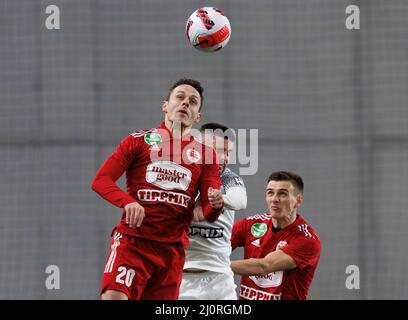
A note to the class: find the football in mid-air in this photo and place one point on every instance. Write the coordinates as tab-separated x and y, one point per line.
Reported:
208	29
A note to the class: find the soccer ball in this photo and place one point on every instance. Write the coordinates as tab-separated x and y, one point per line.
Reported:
208	29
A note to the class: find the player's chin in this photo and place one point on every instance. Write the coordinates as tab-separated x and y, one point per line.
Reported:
275	213
184	120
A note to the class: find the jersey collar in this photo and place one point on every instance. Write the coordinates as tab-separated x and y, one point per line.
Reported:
163	127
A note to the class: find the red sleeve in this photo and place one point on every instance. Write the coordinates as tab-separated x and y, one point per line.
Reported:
104	182
238	234
210	177
305	251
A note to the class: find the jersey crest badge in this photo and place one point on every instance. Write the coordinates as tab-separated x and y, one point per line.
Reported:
281	244
154	147
152	138
193	155
259	229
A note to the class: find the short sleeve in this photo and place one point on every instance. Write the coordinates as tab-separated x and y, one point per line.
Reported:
231	180
238	233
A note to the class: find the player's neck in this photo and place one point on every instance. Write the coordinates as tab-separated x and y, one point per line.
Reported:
177	129
284	222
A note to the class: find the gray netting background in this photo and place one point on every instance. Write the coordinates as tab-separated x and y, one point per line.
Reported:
329	103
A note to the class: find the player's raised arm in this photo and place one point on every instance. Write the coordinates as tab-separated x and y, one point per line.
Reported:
210	190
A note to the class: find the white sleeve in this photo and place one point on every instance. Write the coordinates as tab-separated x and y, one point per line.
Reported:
235	198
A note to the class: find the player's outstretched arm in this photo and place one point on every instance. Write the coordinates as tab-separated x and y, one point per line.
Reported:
104	183
274	261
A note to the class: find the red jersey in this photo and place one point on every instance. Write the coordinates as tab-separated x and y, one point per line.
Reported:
163	174
297	240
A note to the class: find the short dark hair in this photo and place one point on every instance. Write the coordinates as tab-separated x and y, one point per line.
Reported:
191	82
291	176
213	126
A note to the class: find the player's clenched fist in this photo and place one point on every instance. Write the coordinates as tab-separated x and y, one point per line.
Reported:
215	198
134	214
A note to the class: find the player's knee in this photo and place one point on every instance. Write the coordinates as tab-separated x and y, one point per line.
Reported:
113	295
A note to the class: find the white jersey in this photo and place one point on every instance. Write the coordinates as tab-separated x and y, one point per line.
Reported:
210	243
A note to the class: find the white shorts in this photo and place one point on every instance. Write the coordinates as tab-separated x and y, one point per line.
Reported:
208	286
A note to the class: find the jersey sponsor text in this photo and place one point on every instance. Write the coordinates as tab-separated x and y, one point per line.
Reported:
163	196
206	232
270	280
254	294
168	175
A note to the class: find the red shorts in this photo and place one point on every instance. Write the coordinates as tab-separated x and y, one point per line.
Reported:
143	269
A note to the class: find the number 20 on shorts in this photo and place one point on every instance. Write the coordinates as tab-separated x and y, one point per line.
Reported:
128	274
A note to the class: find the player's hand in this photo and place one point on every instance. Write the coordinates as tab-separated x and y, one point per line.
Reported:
134	214
198	211
215	198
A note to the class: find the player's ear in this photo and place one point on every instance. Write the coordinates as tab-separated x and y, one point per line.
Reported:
198	117
299	200
165	105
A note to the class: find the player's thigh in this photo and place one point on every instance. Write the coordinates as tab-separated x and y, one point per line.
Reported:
190	287
114	295
165	284
127	269
207	286
223	287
